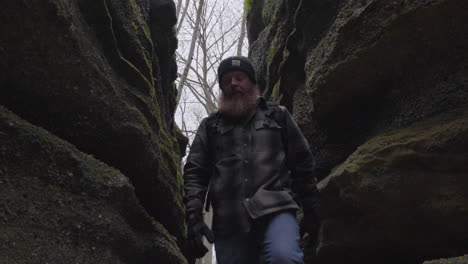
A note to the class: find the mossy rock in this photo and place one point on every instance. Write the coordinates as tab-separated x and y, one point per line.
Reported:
60	205
405	190
456	260
98	74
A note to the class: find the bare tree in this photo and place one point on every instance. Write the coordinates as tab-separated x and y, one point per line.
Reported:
240	44
189	59
207	33
217	36
184	13
179	5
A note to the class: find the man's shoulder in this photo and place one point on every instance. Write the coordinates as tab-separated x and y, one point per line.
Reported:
264	103
211	120
276	106
212	116
273	107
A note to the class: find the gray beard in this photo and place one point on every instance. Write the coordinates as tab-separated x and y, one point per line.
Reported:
238	105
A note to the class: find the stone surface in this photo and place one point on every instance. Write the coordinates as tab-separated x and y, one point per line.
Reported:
458	260
378	90
60	205
353	72
403	191
100	74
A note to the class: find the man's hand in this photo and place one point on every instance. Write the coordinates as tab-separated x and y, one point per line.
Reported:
196	230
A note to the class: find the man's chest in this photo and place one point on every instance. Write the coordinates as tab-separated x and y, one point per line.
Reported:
243	140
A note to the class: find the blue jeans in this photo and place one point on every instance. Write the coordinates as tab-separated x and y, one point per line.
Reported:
276	237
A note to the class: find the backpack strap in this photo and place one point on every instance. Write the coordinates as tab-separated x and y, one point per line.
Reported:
276	112
212	122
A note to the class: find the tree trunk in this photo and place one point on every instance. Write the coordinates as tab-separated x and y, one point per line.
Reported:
242	33
192	49
179	4
181	19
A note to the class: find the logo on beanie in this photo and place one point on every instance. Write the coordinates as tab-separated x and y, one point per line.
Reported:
235	62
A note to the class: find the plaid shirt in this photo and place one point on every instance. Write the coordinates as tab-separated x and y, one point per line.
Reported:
251	168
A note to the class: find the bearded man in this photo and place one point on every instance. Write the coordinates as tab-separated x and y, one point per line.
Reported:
253	164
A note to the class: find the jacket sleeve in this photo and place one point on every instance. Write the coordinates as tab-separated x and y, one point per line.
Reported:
197	171
300	163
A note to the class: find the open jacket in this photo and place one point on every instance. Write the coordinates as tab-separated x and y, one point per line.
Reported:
251	168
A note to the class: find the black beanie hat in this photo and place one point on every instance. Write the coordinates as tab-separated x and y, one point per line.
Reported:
236	63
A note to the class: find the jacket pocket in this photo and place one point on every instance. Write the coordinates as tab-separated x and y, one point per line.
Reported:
265	202
267	136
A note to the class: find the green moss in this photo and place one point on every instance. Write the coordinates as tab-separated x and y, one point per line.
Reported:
148	61
269	11
275	95
147	37
170	180
135	27
169	172
165	243
284	59
285	54
143	25
247	5
170	168
272	51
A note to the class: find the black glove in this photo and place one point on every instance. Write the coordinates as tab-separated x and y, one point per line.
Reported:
196	230
309	223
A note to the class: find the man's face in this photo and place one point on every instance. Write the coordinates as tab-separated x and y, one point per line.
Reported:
236	82
239	96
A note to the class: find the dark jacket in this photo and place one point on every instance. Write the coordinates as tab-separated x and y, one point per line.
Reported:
252	168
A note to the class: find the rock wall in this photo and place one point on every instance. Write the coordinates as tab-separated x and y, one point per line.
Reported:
380	89
99	75
60	205
458	260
